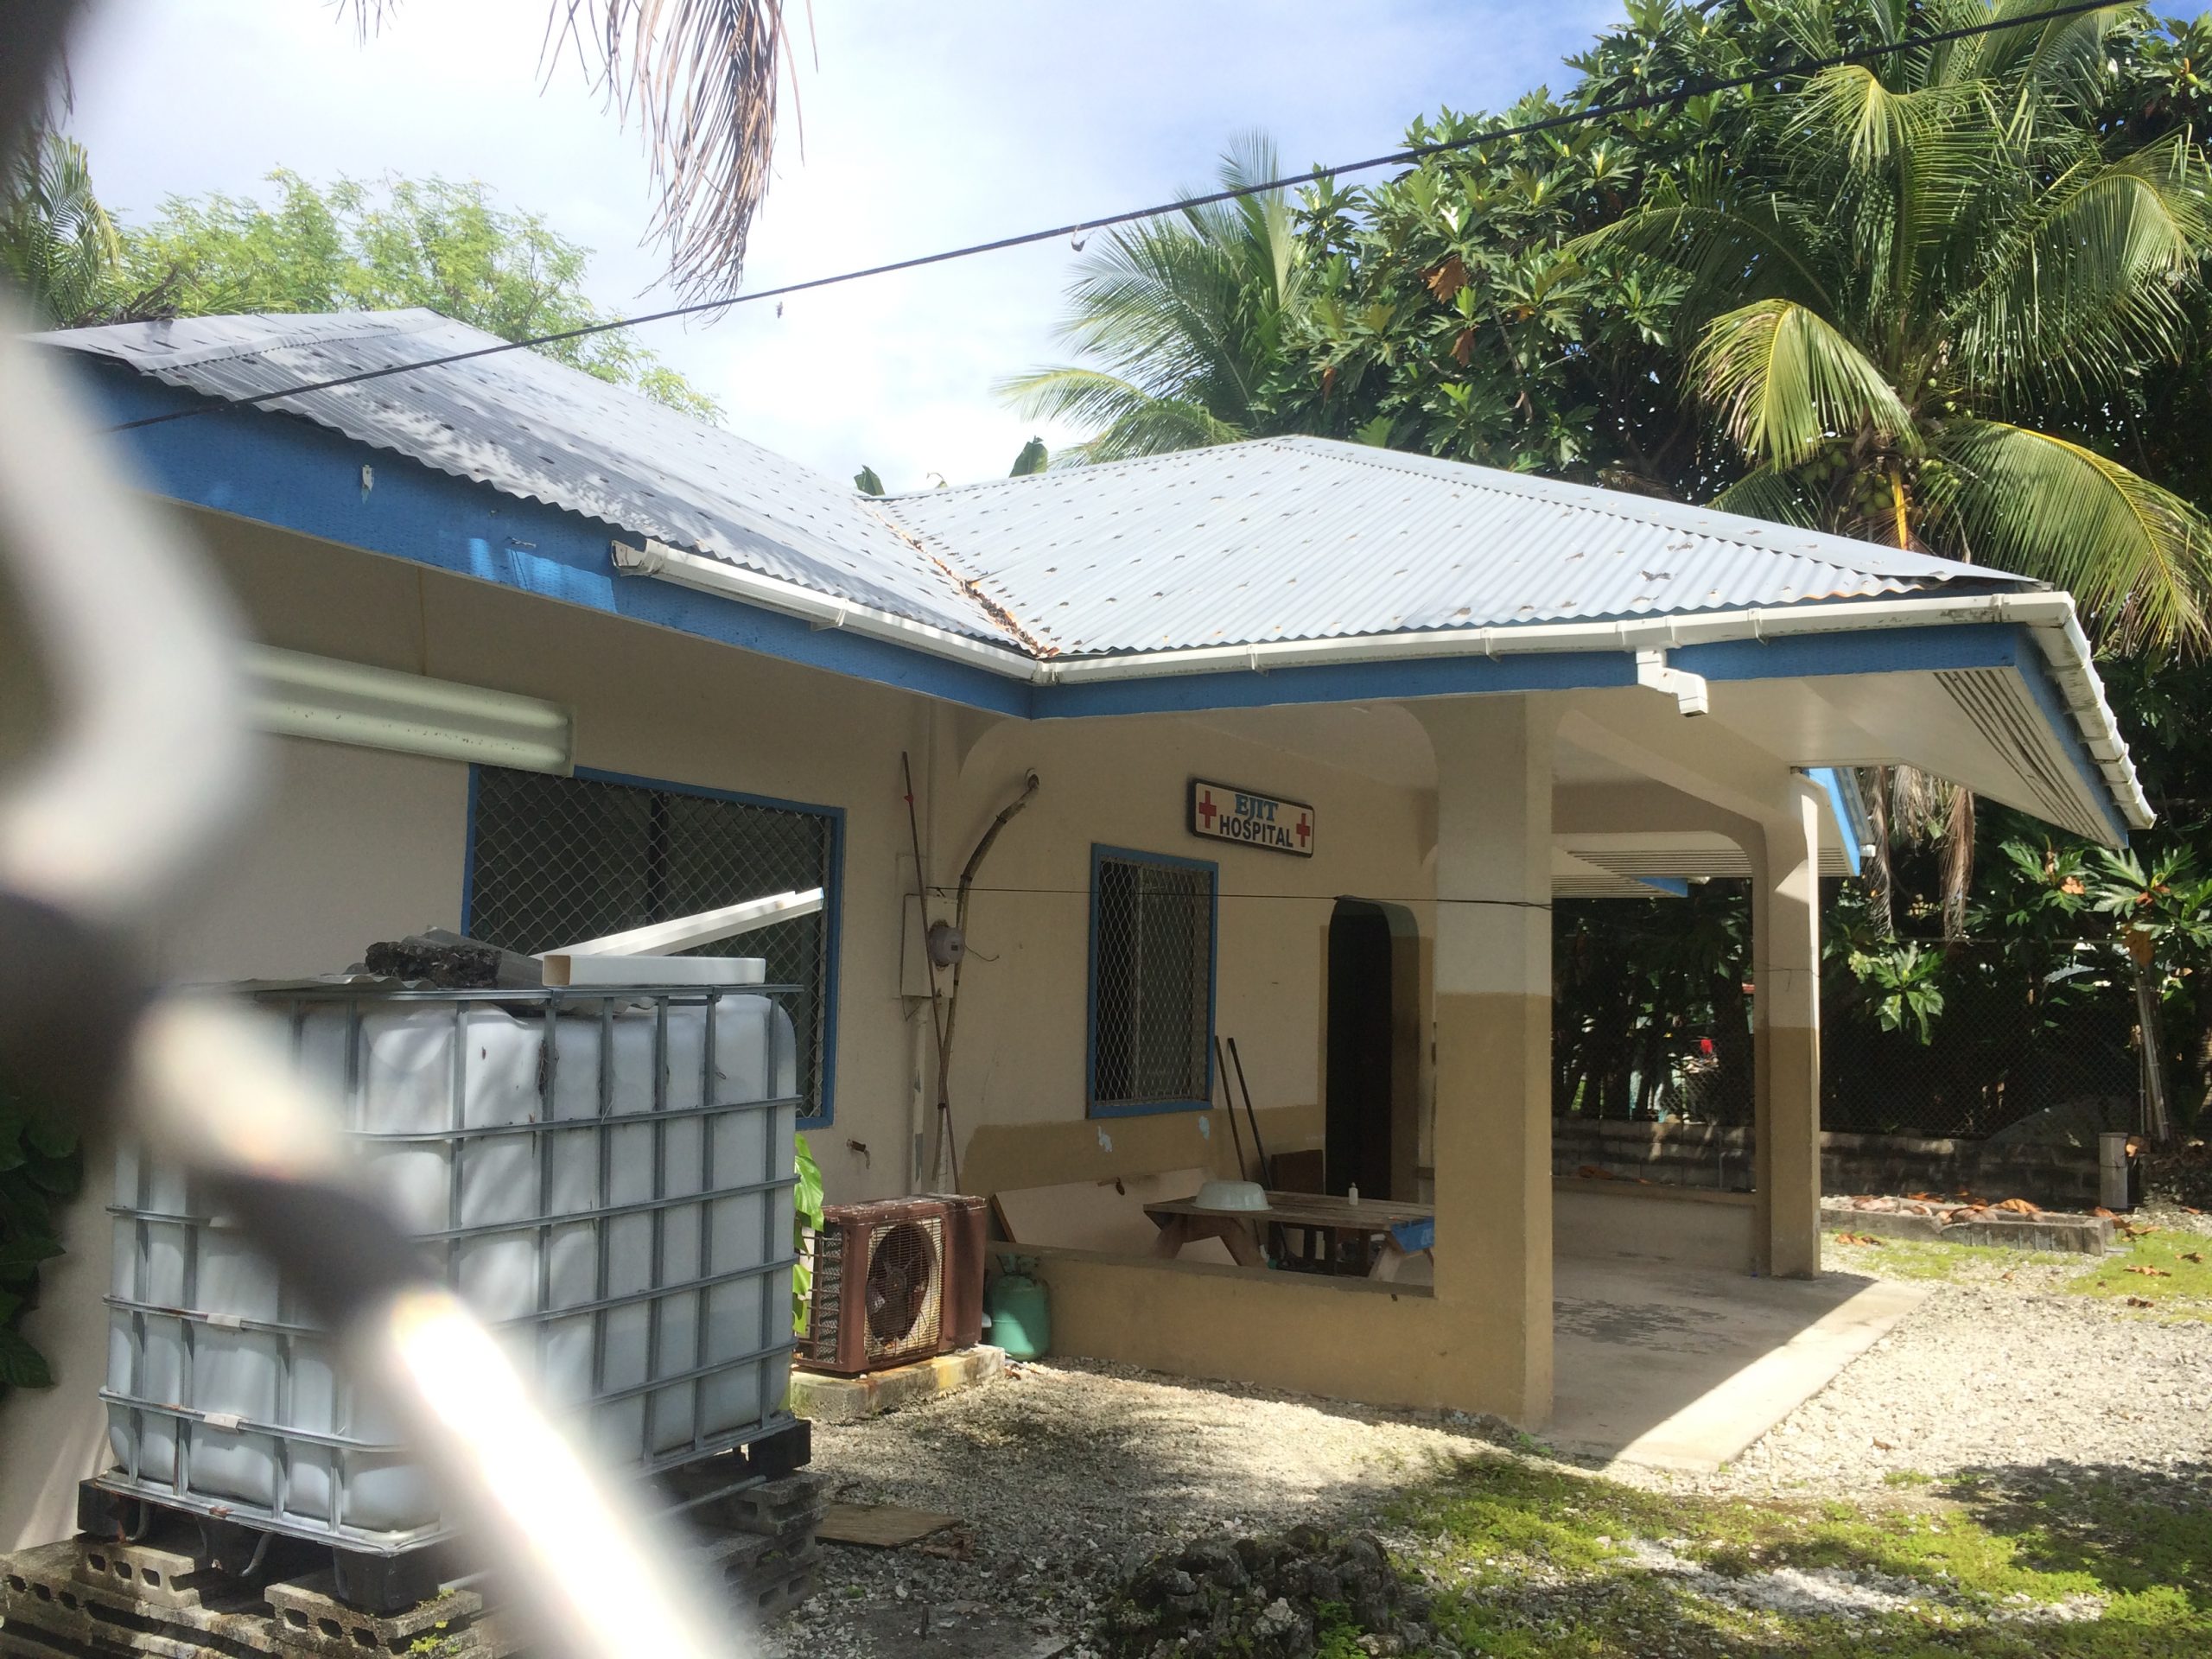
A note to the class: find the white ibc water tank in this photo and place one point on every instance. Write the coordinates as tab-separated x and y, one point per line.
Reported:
608	1180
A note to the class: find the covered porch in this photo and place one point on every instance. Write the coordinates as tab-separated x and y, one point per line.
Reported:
1669	1325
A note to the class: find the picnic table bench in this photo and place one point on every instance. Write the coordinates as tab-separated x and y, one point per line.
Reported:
1330	1229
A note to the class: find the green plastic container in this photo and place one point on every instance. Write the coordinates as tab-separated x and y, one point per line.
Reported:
1022	1318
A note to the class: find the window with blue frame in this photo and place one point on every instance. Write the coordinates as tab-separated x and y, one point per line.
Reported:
555	860
1153	924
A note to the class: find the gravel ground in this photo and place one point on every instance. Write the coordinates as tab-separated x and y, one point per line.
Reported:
2001	1371
1067	1475
1977	1378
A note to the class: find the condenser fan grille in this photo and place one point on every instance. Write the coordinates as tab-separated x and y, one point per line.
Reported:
904	1287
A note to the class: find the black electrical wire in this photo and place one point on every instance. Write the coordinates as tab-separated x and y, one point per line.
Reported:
1225	897
1135	215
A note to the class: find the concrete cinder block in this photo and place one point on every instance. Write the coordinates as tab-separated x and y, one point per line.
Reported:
849	1399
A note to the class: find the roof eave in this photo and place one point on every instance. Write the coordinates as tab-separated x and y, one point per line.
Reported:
2049	617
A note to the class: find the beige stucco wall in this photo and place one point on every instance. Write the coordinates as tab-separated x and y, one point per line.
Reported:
352	845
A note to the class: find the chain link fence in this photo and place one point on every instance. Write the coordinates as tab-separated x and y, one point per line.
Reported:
1960	1039
2015	1030
553	860
1152	936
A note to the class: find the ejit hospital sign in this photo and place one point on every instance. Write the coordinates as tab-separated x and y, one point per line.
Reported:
1221	813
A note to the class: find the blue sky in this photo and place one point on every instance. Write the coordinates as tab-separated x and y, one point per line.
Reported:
925	126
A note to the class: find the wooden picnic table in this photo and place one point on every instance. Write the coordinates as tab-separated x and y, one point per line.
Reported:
1330	1228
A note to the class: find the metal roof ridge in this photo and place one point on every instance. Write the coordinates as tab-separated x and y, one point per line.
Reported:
995	614
1083	469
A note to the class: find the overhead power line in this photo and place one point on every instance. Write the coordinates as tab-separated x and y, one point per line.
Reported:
1680	94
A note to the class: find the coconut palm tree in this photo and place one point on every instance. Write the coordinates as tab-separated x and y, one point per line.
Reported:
701	75
56	240
1931	243
1927	246
1183	319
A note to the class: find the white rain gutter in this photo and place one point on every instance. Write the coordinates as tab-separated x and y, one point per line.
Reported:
710	575
2049	617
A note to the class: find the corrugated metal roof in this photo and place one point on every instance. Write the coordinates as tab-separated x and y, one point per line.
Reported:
1304	538
1276	539
534	428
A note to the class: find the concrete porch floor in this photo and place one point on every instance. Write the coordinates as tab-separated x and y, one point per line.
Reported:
1682	1367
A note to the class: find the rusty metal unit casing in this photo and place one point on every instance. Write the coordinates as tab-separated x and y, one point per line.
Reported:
895	1280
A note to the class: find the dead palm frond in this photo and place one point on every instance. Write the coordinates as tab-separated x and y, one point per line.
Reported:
1918	807
700	78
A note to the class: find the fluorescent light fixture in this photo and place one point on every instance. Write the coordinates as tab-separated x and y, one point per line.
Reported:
294	694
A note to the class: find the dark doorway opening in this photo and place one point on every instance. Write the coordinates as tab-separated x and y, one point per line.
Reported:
1362	1051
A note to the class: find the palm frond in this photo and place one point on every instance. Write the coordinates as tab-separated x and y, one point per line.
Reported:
56	240
1849	110
700	78
2039	55
1785	381
1777	496
2088	281
1080	396
1124	418
1158	426
2138	558
1761	247
1181	321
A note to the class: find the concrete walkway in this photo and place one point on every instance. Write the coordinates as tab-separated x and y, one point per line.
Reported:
1682	1367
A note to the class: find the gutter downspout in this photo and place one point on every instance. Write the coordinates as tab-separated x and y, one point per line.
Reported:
2048	616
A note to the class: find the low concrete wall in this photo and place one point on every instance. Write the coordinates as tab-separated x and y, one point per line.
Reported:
1342	1339
1707	1155
2079	1235
1663	1223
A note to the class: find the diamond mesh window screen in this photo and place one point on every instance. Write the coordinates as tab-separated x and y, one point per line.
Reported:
1152	981
557	860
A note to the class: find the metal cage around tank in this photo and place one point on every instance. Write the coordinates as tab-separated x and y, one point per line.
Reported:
610	1185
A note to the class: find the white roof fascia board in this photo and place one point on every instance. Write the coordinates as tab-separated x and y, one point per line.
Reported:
711	575
2048	616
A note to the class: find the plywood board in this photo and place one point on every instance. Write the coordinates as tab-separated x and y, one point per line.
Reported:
1106	1215
880	1526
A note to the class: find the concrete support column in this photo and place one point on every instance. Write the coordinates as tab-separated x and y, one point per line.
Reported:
1493	988
1786	1033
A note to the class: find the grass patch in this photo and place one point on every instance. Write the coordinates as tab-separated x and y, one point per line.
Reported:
1530	1559
2172	1280
1928	1258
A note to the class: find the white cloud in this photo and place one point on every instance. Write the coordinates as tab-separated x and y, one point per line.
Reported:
926	127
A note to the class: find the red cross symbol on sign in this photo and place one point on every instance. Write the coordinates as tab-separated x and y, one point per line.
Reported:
1305	827
1207	810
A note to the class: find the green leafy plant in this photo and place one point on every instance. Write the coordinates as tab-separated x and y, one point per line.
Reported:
41	1168
1903	990
806	1219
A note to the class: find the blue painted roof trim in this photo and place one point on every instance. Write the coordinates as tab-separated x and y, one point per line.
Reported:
288	471
1843	803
